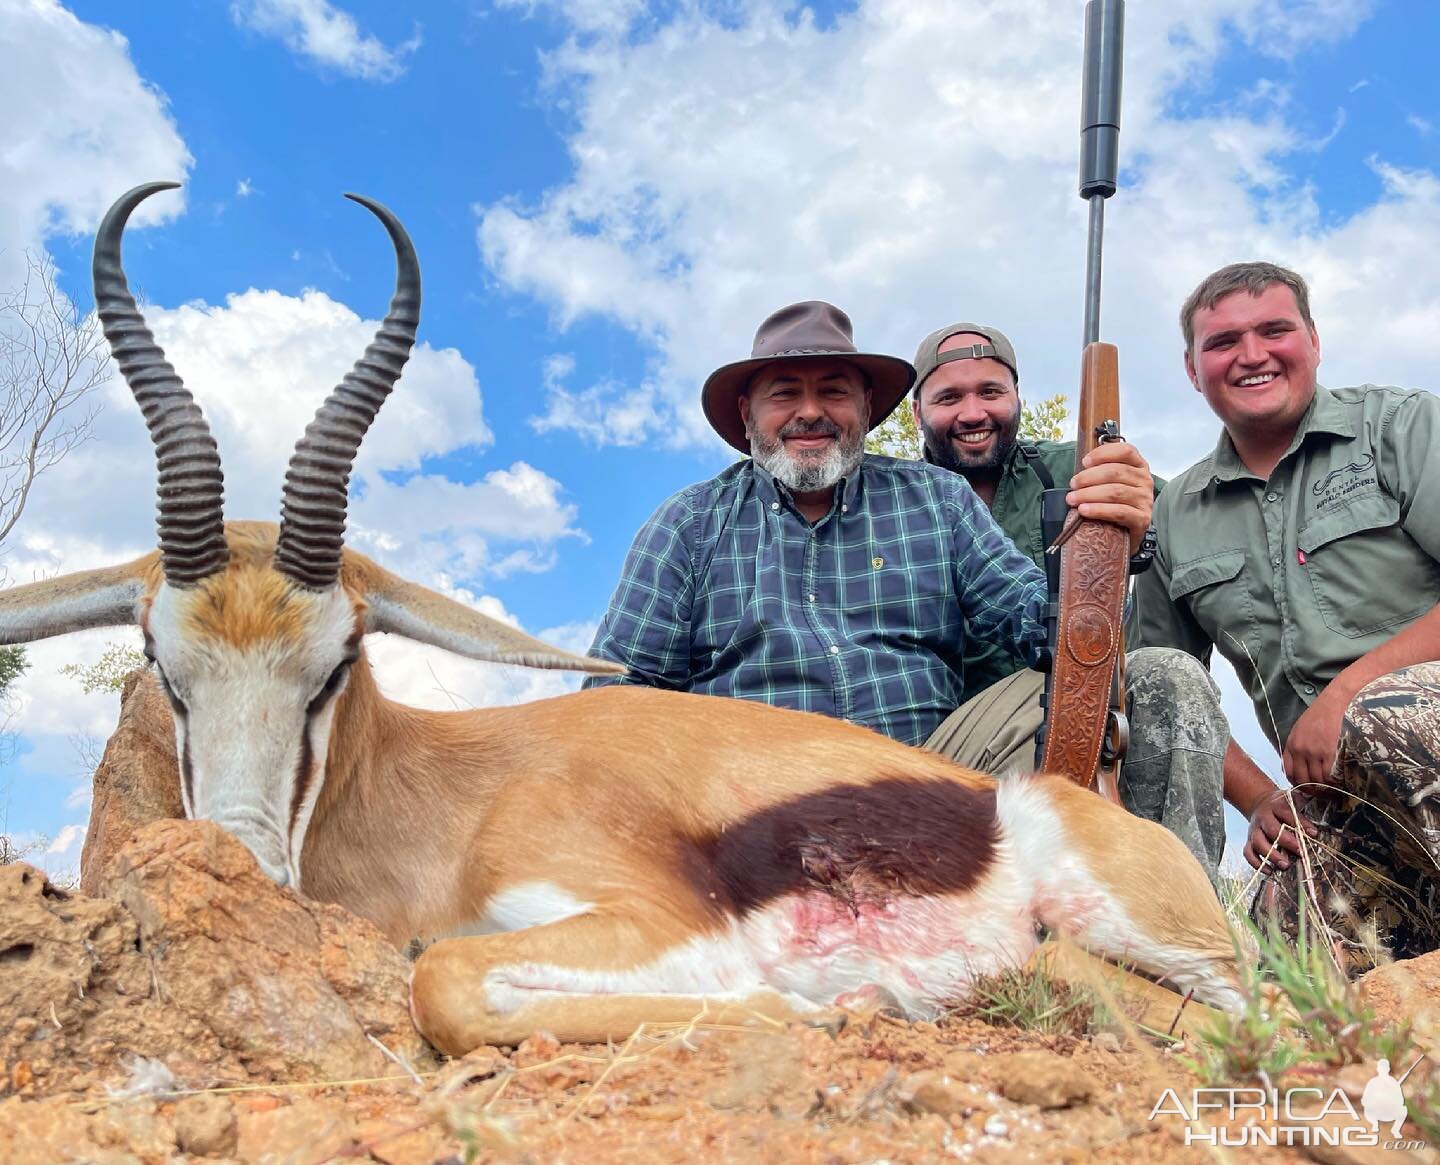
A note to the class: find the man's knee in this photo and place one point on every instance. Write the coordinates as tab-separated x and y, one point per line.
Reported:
1415	688
1169	669
1401	703
995	731
1173	697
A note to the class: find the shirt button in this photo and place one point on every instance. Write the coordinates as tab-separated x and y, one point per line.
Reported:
810	598
774	505
1272	497
834	649
844	509
1309	689
1274	562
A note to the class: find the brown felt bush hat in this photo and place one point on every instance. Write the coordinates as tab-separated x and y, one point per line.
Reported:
929	358
810	329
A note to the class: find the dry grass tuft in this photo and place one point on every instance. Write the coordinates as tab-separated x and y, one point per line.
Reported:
1028	999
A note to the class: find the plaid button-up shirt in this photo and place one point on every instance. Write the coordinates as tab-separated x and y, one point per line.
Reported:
728	590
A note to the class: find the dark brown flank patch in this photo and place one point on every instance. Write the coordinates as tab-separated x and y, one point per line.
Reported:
861	844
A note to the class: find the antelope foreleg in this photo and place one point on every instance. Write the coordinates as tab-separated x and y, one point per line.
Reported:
586	979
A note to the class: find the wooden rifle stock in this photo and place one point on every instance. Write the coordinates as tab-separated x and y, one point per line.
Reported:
1087	732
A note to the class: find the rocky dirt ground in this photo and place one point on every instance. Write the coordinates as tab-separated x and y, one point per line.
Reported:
194	1011
875	1090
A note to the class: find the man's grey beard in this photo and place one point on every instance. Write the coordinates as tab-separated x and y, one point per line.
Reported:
804	474
943	452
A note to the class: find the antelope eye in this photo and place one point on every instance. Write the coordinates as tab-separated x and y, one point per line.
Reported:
336	678
331	685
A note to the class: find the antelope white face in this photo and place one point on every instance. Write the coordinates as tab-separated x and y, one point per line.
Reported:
253	666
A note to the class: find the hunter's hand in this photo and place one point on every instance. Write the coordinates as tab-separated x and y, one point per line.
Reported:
1311	746
1274	827
1115	486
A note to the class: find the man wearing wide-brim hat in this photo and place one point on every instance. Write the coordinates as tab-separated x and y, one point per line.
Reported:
815	576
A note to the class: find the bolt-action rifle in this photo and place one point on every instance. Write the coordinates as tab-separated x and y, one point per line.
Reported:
1086	730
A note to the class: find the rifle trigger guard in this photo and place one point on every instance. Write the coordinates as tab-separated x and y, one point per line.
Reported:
1107	431
1116	742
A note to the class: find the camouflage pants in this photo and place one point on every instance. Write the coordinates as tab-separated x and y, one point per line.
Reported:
1372	875
1174	771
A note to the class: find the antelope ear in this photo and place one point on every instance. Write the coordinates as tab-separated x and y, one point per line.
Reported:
418	613
107	597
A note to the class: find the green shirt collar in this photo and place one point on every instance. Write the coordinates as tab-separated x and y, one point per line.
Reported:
1325	415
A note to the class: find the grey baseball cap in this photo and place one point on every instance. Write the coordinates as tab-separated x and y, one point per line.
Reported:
929	357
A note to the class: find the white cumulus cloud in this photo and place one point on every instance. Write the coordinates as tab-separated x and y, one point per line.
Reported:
327	35
67	842
80	126
606	413
600	17
727	163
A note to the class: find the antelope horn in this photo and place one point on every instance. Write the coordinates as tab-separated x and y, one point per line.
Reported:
317	482
191	491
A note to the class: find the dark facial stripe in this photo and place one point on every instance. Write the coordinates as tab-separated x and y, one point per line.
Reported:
303	768
302	776
864	845
187	770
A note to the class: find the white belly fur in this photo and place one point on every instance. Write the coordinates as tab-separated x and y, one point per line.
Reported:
814	948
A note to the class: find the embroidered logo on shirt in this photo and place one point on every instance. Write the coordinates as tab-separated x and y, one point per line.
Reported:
1332	492
1354	467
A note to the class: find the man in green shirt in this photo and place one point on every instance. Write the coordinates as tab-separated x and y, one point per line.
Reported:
967	407
1306	548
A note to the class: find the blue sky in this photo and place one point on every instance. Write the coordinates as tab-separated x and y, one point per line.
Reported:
607	198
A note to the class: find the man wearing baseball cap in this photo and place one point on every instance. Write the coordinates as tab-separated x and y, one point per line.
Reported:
815	576
967	408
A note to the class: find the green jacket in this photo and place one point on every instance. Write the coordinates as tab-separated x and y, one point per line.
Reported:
1295	578
1016	510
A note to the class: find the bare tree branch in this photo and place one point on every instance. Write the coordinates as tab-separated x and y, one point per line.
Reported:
89	751
51	359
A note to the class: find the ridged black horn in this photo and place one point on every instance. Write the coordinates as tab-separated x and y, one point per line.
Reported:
317	483
191	493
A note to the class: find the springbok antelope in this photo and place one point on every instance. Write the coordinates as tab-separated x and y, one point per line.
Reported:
615	856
